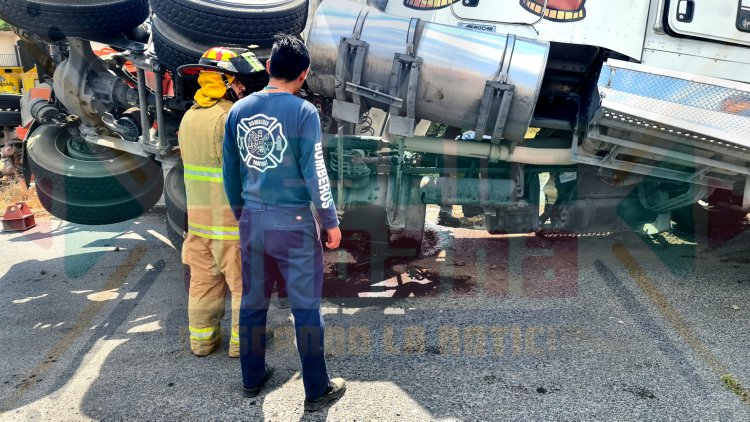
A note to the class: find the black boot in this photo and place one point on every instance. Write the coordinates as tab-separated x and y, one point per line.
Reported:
254	391
336	389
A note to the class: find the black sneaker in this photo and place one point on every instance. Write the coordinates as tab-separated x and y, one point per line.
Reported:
447	220
250	392
336	389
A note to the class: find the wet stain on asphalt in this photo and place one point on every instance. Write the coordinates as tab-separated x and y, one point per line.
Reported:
640	392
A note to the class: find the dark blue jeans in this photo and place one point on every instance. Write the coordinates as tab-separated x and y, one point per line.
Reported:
282	242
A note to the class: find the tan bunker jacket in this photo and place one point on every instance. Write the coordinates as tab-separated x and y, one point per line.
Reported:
211	248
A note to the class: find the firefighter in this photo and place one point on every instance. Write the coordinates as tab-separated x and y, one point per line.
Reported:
211	247
274	170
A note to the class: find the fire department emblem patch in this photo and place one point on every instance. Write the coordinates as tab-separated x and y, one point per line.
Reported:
557	10
261	142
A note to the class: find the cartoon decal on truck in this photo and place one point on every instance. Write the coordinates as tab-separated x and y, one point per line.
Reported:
428	4
557	10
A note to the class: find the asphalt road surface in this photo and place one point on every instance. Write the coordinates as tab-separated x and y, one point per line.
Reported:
613	326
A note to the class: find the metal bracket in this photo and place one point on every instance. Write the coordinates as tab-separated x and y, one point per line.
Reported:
346	112
411	35
701	171
399	126
497	89
349	47
405	75
405	71
123	43
395	216
120	144
612	154
374	94
343	109
492	92
517	176
143	102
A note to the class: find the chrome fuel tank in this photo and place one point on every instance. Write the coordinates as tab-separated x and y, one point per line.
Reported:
457	64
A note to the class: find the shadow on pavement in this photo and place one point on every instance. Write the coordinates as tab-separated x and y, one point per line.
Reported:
448	331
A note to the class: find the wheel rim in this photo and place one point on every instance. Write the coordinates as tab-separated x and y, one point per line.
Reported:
78	149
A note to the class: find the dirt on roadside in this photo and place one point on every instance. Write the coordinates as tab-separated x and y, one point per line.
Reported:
14	190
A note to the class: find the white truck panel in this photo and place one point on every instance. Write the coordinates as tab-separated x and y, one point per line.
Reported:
692	55
619	28
696	64
718	20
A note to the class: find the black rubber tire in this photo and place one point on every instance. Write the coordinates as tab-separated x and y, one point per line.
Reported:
174	233
10	102
248	22
88	19
123	176
175	201
98	192
173	49
98	212
10	118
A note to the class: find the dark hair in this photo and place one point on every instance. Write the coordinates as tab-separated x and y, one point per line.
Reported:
289	58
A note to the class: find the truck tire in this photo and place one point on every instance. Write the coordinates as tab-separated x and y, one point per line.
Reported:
233	21
10	118
175	201
87	19
174	233
97	212
102	189
173	49
10	102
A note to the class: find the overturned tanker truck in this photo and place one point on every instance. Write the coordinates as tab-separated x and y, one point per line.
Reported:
633	113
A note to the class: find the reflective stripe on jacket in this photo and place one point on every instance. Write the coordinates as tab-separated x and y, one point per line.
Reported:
200	137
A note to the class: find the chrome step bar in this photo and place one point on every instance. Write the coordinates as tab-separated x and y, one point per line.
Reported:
670	125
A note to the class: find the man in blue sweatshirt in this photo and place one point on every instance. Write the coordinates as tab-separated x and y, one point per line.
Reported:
273	171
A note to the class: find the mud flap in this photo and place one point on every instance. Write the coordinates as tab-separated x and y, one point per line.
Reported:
25	155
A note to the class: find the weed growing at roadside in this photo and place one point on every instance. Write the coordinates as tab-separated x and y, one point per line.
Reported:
734	386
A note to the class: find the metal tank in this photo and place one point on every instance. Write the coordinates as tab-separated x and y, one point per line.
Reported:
457	64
